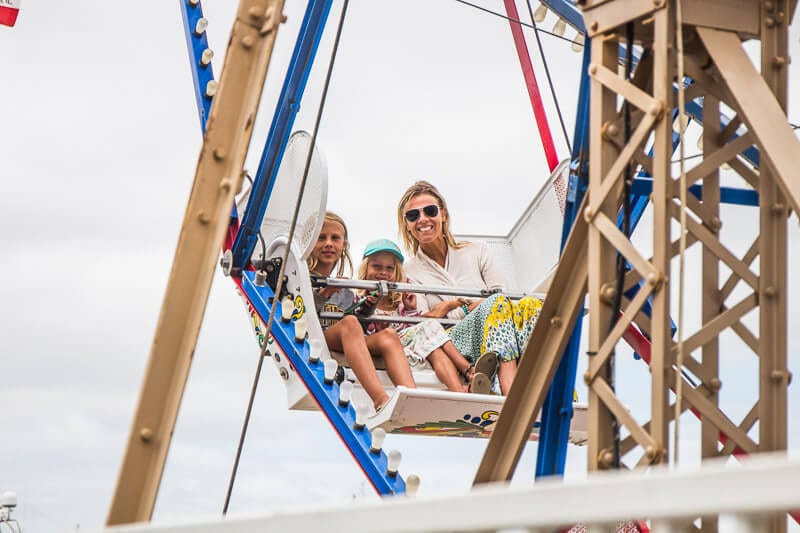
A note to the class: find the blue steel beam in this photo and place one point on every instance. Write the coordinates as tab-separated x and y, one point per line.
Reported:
643	186
197	45
282	121
567	11
343	418
557	409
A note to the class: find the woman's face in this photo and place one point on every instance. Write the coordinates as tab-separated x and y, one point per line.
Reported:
424	226
329	247
381	267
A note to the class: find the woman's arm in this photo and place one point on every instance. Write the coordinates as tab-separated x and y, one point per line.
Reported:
442	309
492	274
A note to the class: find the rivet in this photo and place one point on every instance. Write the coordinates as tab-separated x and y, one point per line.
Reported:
588	214
607	293
654	279
605	458
587	378
594	25
770	292
284	374
247	42
715	223
770	22
651	452
555	322
225	185
146	434
203	217
592	69
610	129
778	62
778	209
777	375
656	109
714	384
219	154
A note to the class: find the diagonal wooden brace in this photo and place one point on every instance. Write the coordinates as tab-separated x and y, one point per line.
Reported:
758	108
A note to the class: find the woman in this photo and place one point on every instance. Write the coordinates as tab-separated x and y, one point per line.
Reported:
494	324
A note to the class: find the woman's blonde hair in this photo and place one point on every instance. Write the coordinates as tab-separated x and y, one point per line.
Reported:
423	187
399	276
312	261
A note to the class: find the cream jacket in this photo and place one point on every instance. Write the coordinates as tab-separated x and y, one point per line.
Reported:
470	267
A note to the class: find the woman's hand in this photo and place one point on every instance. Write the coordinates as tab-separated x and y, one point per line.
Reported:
471	306
441	309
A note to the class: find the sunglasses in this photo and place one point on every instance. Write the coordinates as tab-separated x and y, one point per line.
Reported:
412	215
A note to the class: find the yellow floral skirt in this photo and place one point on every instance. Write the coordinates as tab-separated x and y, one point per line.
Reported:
498	325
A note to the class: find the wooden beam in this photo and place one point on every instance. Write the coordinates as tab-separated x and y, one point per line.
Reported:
759	109
217	180
539	362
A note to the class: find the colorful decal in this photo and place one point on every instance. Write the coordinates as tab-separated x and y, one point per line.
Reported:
259	328
299	307
475	426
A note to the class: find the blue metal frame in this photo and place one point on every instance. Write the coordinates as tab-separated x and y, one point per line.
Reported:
567	11
197	44
285	112
327	396
643	186
557	408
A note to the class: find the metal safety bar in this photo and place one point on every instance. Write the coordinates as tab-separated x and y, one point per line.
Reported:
318	282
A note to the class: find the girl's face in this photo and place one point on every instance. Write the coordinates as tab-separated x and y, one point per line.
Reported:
329	247
424	226
381	267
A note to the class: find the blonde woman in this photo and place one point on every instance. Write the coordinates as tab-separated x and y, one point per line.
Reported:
494	324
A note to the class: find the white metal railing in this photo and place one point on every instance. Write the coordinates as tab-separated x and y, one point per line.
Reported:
747	494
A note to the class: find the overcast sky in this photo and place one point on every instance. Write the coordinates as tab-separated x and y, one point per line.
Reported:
98	147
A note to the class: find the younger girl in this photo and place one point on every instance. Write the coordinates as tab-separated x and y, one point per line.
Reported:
346	335
383	261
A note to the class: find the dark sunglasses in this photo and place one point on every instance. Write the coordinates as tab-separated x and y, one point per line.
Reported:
412	215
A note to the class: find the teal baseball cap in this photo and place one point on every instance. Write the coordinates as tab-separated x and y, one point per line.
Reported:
383	245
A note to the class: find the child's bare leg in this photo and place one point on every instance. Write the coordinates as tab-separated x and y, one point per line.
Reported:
506	371
459	361
387	343
348	337
446	371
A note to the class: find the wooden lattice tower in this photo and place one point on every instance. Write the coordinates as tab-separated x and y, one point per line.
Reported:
715	60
